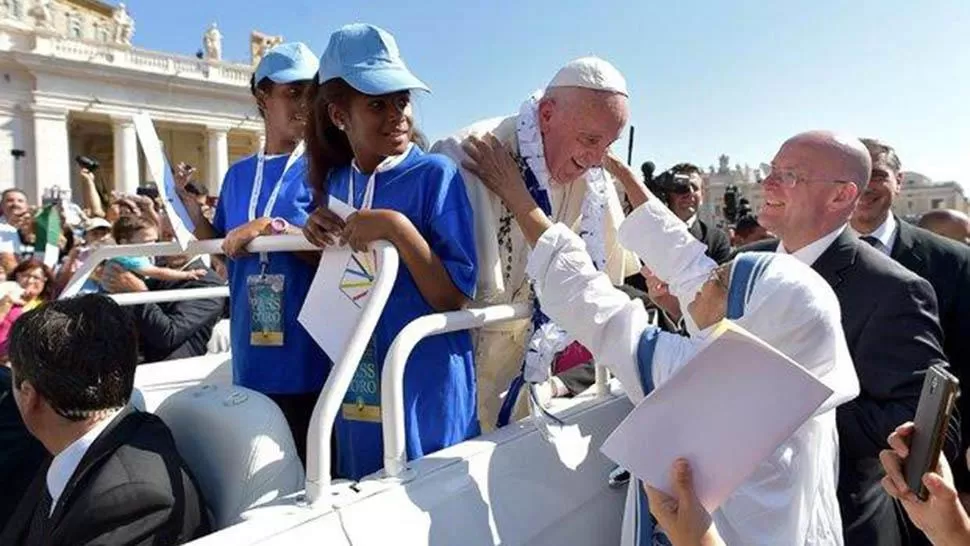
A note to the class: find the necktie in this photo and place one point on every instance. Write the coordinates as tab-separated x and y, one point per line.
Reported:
38	524
873	242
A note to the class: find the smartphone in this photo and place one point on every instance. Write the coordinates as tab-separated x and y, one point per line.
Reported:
148	191
936	402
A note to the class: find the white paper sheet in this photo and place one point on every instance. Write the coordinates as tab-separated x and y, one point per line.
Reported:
726	410
338	293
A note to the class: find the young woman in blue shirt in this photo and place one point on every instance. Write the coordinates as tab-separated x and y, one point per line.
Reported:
360	136
266	194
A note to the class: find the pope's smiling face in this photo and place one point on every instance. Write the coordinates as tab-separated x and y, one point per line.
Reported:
578	126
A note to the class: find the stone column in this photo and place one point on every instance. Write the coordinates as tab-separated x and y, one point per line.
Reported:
51	151
217	157
127	178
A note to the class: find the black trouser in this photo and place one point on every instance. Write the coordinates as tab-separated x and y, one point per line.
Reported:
297	409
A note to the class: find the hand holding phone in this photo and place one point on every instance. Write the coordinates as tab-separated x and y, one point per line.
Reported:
936	402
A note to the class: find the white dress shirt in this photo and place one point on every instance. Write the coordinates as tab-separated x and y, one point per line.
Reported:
66	462
885	234
808	254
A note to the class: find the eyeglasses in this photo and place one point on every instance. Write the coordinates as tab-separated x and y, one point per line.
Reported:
31	277
788	178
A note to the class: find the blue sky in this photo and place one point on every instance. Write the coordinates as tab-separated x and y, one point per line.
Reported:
706	77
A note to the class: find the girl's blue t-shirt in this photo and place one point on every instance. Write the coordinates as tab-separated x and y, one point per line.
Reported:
439	381
299	366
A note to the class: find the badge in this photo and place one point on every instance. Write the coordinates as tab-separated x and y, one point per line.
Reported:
363	399
266	310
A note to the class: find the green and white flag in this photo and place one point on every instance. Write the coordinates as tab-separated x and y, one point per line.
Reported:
47	227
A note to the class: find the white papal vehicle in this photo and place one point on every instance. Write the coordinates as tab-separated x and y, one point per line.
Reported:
508	487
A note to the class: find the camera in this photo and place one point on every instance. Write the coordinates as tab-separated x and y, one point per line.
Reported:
150	191
669	183
88	163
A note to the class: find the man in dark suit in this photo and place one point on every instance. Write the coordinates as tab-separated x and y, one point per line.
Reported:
174	329
114	475
944	263
889	316
20	453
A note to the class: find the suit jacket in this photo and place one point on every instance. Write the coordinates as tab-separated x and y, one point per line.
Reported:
889	316
131	487
718	244
20	453
946	265
178	329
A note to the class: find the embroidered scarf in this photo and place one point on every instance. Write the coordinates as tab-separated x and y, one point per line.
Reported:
548	339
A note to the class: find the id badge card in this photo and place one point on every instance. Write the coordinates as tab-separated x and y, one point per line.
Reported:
363	399
266	310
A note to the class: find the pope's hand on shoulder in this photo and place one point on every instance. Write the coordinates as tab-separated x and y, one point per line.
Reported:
492	162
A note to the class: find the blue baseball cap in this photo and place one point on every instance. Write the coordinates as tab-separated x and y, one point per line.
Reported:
367	58
287	63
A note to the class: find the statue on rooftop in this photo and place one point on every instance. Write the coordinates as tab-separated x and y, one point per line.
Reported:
260	43
124	25
41	13
212	43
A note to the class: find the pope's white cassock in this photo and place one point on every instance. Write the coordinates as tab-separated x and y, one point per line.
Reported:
502	249
790	499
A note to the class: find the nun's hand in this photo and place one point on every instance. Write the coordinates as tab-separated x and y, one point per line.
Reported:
682	518
941	516
492	162
323	227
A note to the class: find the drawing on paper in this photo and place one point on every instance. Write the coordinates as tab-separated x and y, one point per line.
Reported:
358	277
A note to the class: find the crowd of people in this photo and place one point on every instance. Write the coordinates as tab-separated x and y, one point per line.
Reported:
529	208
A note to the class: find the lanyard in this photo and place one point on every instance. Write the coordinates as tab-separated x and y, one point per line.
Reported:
386	165
368	201
258	182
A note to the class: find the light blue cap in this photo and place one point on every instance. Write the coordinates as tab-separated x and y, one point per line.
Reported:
367	58
287	63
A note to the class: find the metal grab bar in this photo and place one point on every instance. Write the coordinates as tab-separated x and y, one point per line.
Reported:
269	243
161	296
335	388
392	377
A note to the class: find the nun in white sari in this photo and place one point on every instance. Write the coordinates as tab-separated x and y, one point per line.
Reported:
790	499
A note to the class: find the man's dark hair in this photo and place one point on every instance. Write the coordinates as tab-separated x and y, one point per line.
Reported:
79	354
746	224
686	168
127	226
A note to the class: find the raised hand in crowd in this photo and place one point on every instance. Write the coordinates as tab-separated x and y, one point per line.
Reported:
941	516
681	515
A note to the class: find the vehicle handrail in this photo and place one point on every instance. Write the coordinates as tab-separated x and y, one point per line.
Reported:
392	377
338	381
268	243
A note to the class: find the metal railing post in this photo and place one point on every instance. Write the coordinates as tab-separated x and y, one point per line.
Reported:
334	390
392	377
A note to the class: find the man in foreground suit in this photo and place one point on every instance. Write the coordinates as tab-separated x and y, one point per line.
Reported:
944	263
889	316
114	476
